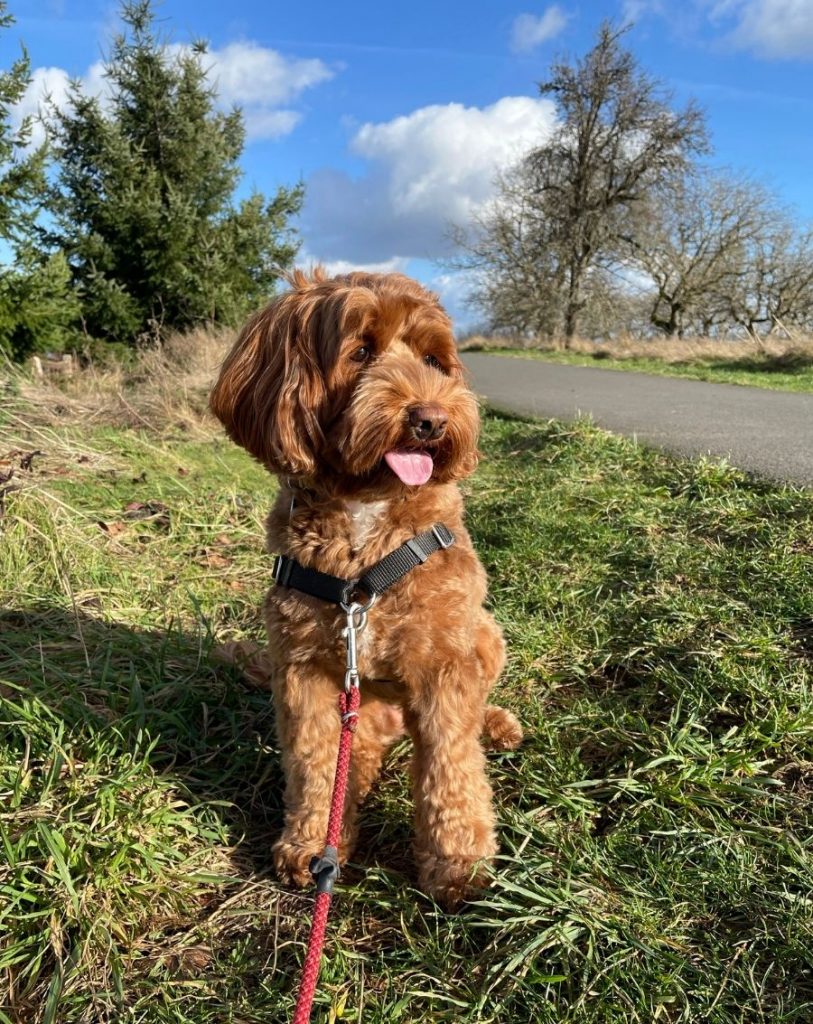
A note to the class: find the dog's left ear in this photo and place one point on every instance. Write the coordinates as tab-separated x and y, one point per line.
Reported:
270	391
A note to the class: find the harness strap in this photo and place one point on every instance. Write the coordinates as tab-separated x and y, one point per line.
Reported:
376	580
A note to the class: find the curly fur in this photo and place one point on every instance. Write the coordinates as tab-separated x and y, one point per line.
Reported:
319	387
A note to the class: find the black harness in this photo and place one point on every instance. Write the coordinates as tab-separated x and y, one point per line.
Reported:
375	581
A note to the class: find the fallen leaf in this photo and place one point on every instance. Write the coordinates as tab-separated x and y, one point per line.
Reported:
27	460
144	509
114	528
6	472
156	511
4	491
216	561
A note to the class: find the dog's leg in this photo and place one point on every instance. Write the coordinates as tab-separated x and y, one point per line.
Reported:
454	818
308	726
501	728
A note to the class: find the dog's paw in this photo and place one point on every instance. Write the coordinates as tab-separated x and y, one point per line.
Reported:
452	880
293	856
292	860
501	729
234	652
249	658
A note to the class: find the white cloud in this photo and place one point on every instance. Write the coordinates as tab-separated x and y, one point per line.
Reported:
425	169
306	259
632	10
454	288
391	266
529	30
259	80
771	28
52	84
255	76
269	124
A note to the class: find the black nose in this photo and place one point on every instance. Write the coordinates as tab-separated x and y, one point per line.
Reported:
428	422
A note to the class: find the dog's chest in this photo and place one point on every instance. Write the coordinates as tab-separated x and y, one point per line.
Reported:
363	517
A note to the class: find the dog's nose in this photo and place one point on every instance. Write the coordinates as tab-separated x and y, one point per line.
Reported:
428	422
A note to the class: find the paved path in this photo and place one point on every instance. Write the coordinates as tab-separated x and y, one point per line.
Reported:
765	432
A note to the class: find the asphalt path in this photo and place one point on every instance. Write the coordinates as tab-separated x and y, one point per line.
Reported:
769	433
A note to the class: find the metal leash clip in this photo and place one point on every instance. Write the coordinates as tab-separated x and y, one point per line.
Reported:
355	621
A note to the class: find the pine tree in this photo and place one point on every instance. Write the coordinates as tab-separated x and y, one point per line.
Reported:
144	198
36	308
21	172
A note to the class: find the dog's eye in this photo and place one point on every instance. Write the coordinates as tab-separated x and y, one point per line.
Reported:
431	360
362	354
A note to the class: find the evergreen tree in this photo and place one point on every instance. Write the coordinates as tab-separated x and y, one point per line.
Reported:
36	308
21	172
144	198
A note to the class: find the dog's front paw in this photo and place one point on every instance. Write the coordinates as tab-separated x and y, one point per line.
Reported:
293	855
451	880
292	859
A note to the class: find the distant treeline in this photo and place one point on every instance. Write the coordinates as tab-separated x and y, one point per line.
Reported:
123	223
616	225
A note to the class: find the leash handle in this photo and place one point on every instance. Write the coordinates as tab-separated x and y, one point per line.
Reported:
349	702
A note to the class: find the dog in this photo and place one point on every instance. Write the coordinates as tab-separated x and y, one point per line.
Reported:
350	390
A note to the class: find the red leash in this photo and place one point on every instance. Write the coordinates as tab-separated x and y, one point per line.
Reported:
325	869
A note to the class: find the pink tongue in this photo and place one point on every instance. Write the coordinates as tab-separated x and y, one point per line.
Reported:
410	467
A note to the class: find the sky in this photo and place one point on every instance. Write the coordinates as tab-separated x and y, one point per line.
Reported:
396	117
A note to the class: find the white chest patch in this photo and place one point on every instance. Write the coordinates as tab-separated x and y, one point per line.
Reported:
363	517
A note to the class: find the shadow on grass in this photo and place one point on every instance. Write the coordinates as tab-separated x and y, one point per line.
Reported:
787	362
111	682
209	730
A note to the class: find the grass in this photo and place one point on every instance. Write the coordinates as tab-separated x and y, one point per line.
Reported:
786	369
657	859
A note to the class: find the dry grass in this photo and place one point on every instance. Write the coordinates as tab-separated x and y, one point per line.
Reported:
791	351
160	389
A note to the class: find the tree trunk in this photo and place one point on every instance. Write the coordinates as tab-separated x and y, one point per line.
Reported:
572	305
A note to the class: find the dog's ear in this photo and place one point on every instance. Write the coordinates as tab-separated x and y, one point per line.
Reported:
270	390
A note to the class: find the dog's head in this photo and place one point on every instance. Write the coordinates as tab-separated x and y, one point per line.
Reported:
353	382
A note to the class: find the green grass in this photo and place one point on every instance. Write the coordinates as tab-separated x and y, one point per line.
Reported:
776	374
656	825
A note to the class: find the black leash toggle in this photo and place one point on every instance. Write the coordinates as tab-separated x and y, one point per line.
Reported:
375	581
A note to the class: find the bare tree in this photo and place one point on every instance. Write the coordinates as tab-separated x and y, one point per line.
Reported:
694	240
775	288
558	219
508	253
617	137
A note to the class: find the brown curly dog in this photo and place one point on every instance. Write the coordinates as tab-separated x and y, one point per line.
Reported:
351	391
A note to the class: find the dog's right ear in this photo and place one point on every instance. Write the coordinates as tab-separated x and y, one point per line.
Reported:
270	391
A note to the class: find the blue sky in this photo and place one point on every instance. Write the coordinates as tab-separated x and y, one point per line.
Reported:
396	116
